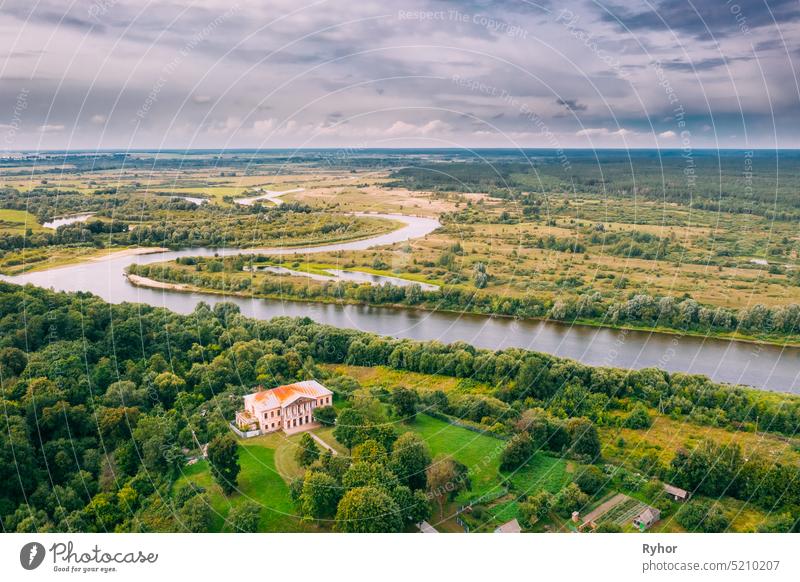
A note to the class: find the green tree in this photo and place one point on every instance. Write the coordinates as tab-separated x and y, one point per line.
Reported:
591	480
307	451
702	516
536	507
413	505
517	452
638	418
570	499
405	401
370	451
446	478
410	459
348	426
325	415
368	510
223	456
320	495
584	439
245	517
195	515
167	386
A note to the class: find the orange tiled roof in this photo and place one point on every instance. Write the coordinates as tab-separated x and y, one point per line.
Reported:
285	394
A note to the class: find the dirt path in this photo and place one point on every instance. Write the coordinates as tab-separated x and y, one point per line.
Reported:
604	507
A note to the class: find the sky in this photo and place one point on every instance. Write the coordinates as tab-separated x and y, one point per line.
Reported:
119	74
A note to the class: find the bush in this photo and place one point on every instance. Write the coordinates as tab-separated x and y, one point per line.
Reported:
569	499
702	516
517	452
638	418
325	415
591	480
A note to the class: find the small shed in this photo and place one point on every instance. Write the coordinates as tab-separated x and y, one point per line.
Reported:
647	518
676	493
509	527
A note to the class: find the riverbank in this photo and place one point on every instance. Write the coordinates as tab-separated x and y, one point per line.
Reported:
70	257
792	342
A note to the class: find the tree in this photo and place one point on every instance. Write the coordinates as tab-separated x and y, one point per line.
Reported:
405	403
370	451
195	515
591	480
410	459
710	469
479	275
348	425
413	505
167	386
12	361
702	516
325	415
320	495
517	452
368	510
638	418
223	455
536	507
446	478
569	499
361	474
307	451
245	517
584	439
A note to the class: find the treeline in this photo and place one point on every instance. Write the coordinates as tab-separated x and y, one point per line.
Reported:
129	219
728	181
640	309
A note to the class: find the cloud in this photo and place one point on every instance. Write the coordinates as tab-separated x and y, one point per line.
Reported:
571	104
297	79
51	128
604	132
401	128
669	134
99	119
702	19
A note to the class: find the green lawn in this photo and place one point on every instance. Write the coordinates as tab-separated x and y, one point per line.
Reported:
259	481
480	453
539	473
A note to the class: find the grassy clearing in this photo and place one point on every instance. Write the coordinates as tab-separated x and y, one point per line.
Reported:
540	473
18	221
666	436
480	453
384	377
260	480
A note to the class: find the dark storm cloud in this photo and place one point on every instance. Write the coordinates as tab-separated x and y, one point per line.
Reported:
264	65
571	104
701	64
702	18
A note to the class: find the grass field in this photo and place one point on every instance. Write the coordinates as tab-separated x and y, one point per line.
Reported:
540	473
17	221
384	377
666	436
480	453
262	480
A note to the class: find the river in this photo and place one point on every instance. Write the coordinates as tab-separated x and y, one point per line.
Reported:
766	367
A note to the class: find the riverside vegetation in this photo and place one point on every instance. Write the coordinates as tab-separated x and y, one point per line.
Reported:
98	437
